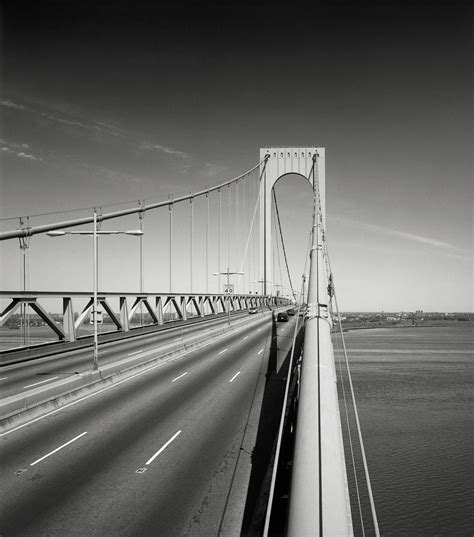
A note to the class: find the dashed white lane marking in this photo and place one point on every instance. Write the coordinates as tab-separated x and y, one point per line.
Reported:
222	352
234	377
98	392
177	339
3	378
41	382
260	351
177	378
57	449
245	337
162	448
136	352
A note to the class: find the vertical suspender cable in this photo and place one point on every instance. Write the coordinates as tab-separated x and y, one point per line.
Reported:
356	414
191	246
249	236
264	233
170	209
244	234
237	231
229	220
207	243
283	244
219	242
256	266
354	470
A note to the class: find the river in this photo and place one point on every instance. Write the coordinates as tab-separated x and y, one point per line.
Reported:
413	391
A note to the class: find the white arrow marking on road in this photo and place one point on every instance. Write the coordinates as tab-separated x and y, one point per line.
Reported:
57	449
42	382
149	461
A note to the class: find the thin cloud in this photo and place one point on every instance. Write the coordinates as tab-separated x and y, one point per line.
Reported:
18	150
78	122
444	247
163	149
11	104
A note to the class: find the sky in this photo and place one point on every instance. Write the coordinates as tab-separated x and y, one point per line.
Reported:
105	102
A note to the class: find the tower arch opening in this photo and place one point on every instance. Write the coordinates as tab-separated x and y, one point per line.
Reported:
306	162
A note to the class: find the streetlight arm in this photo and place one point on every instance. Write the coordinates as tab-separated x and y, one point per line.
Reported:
134	232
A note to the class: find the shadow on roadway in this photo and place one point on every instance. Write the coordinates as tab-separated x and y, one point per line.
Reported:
267	434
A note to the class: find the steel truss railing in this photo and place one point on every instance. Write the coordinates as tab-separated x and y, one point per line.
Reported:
157	305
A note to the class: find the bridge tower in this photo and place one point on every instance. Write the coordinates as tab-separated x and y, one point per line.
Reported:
282	161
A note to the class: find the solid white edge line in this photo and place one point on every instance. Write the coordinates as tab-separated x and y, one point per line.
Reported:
222	352
260	351
180	376
37	383
135	352
162	448
57	449
234	377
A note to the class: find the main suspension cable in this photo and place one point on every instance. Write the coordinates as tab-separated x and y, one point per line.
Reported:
118	214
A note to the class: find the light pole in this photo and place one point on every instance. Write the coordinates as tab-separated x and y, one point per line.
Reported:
229	288
95	235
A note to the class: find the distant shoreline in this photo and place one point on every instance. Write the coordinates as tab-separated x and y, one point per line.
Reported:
405	324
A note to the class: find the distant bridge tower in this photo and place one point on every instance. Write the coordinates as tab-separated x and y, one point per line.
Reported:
283	161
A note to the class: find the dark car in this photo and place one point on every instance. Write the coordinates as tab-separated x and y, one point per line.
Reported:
282	316
291	311
253	310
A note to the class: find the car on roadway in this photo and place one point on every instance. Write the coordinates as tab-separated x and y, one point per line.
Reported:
282	316
253	310
291	311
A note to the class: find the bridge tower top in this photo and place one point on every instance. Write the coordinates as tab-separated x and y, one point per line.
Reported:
283	161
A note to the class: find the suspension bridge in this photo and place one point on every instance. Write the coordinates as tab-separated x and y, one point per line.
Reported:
190	386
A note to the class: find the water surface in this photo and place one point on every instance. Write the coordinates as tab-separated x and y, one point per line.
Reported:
413	390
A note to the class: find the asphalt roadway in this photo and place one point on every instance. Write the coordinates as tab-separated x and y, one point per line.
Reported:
157	454
18	378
